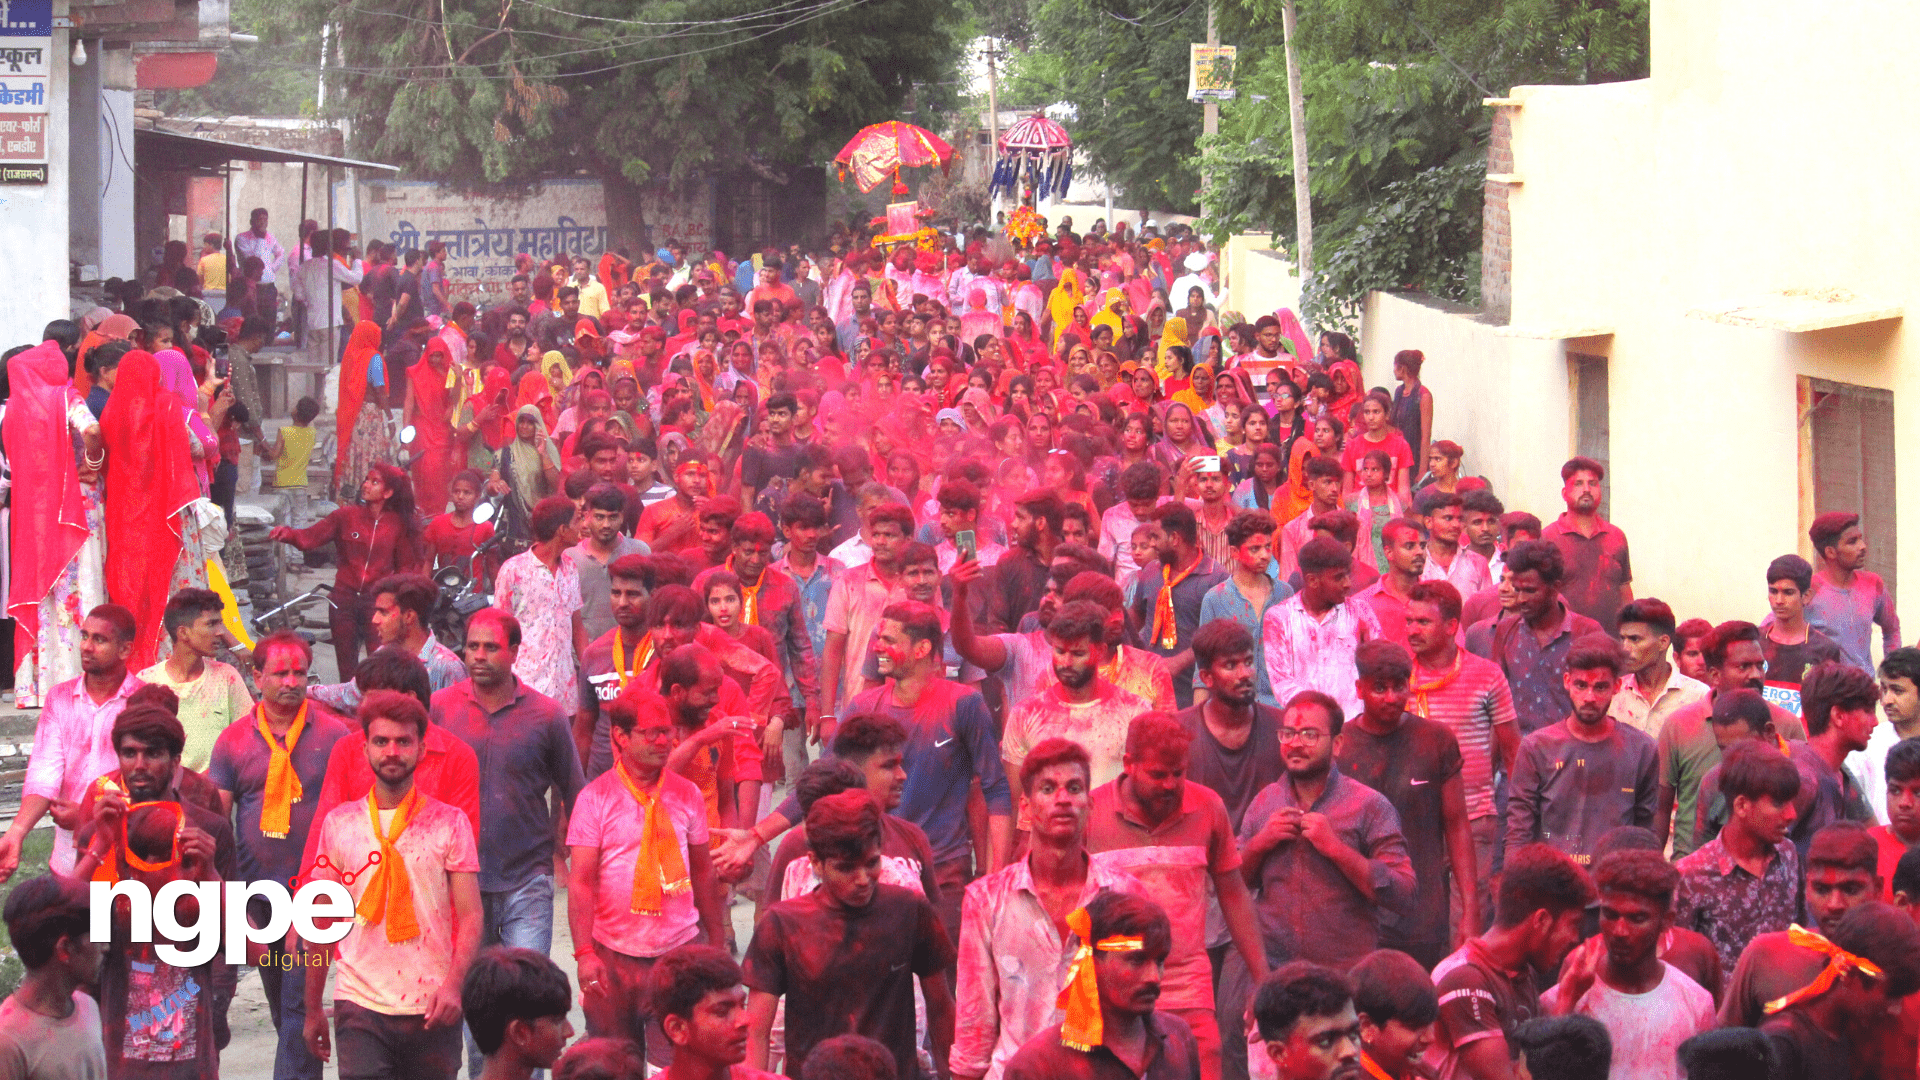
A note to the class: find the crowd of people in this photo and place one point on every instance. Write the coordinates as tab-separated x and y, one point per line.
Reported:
1075	684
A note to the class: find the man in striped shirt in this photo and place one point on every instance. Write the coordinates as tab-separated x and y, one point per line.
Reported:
1470	695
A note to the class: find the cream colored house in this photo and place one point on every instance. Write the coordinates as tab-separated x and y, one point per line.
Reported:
1701	278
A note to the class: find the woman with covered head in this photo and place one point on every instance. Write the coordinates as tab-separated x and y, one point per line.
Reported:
361	421
150	524
428	408
528	468
58	541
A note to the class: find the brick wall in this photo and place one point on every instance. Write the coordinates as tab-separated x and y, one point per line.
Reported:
1496	241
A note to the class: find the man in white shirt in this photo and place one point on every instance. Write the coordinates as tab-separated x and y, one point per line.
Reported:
260	244
319	283
1900	700
1652	689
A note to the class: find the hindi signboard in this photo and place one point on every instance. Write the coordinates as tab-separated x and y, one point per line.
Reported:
26	65
558	219
1210	73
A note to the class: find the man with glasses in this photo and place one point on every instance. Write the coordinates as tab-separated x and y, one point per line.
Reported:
1323	853
628	901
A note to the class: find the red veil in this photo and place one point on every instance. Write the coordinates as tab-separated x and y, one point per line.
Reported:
149	479
432	431
361	348
49	514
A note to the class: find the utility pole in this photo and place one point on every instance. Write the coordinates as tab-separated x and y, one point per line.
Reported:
993	127
1210	112
1297	107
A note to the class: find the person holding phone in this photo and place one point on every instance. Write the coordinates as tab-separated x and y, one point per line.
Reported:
959	520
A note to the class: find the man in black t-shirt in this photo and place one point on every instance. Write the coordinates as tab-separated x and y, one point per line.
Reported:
781	458
408	310
845	956
1789	643
1416	764
1236	740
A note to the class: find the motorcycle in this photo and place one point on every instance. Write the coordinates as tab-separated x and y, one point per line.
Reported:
466	587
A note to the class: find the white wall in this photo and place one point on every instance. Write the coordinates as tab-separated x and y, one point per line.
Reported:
117	257
33	223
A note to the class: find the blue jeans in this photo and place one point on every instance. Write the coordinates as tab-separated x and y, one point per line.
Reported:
521	917
286	989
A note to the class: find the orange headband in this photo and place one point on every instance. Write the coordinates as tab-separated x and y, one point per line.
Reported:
1840	962
1080	998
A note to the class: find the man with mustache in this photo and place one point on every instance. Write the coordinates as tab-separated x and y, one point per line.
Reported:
1574	780
1687	748
1082	704
155	1019
1309	1024
1112	1027
1176	838
396	1005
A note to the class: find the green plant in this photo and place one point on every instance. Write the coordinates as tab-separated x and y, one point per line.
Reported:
1421	234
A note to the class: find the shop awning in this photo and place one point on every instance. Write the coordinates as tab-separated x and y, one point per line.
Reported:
171	149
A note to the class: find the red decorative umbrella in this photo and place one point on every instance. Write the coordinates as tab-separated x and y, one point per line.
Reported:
882	149
1035	152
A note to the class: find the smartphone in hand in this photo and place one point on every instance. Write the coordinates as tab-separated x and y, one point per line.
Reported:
965	544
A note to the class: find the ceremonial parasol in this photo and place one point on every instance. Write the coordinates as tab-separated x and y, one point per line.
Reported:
880	149
1035	152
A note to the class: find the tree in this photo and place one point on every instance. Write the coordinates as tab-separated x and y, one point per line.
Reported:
1123	68
492	94
1396	129
277	77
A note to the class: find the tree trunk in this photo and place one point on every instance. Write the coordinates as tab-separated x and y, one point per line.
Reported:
626	216
1297	108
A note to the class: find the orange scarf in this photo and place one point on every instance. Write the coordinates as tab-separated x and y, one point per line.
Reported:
1423	687
1165	630
1080	998
660	870
750	597
641	653
283	784
1840	962
109	868
1373	1068
389	894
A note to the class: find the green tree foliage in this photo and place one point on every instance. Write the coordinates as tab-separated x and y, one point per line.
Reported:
1122	65
497	93
277	77
1396	128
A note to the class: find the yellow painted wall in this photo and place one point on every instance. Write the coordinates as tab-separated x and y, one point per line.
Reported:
1258	278
1739	170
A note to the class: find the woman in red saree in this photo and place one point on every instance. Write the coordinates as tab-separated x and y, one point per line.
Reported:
151	481
361	422
58	532
429	409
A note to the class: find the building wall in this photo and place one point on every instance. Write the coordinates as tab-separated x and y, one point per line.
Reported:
33	221
1258	279
1725	178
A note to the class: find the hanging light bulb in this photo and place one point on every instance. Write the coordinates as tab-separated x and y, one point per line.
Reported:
79	52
